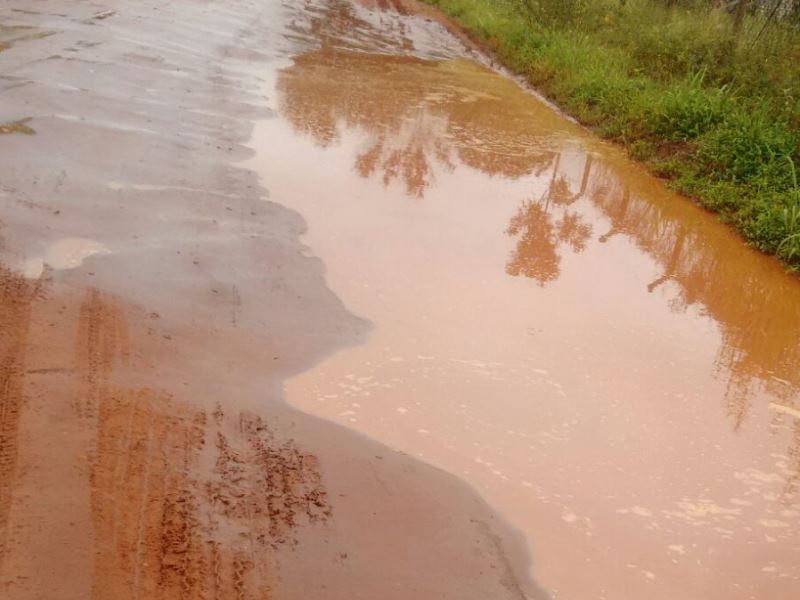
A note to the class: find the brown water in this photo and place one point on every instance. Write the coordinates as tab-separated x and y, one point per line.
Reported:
613	369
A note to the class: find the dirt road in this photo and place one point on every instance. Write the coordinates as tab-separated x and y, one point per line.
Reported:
152	302
306	299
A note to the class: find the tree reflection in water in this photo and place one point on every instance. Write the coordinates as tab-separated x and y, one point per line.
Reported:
539	237
418	118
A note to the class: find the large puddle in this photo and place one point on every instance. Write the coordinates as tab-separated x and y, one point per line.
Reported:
613	369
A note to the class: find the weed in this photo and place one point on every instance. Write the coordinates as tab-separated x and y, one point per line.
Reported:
789	247
748	147
641	150
689	109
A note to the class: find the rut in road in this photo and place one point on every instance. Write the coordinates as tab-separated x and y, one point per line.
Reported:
186	504
17	295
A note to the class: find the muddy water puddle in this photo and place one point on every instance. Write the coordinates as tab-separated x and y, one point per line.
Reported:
608	365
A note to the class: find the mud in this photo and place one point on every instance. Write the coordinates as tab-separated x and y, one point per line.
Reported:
16	297
152	303
174	529
502	296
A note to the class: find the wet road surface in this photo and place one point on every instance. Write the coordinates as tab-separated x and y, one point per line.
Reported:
152	302
218	201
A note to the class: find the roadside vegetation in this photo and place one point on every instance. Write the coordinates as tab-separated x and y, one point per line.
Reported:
707	93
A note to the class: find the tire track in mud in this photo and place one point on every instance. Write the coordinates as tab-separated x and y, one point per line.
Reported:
17	295
186	504
102	339
142	514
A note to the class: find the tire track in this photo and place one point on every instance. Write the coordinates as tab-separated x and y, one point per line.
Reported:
102	340
168	530
17	295
186	505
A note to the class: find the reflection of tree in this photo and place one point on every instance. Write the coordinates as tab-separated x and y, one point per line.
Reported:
536	253
417	116
573	231
405	155
756	307
671	265
337	24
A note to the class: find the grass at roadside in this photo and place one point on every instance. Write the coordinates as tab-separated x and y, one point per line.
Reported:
717	113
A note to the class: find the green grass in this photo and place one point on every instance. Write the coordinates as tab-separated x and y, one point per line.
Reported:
717	114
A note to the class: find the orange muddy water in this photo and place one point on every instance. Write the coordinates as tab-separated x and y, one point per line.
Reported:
609	366
517	367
